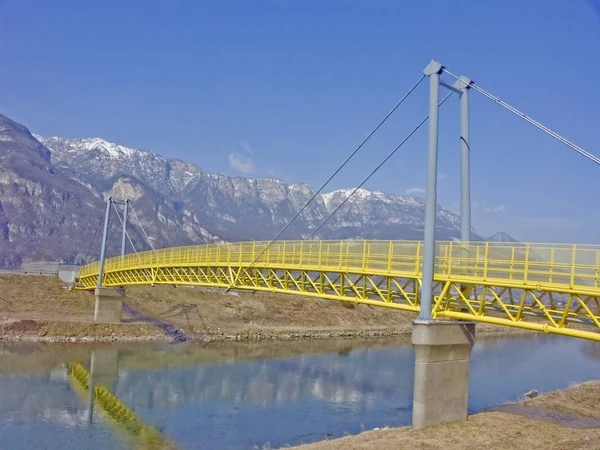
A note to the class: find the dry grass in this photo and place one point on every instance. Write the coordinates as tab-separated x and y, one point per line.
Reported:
56	311
489	430
581	399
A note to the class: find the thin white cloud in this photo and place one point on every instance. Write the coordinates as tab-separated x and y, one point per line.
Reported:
415	191
246	146
241	163
495	209
442	176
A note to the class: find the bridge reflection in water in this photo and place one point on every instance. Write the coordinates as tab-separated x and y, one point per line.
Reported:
97	385
238	396
551	288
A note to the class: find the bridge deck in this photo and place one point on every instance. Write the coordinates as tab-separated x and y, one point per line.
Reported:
546	287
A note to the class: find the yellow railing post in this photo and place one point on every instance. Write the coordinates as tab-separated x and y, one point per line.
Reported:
450	258
526	274
347	254
573	261
446	264
390	256
418	258
320	252
283	254
551	264
486	261
364	256
512	263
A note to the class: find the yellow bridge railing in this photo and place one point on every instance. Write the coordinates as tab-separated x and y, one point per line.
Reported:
546	287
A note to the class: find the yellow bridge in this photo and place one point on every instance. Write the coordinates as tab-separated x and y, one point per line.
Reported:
543	287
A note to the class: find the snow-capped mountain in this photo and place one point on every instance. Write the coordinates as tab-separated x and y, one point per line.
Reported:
178	203
377	215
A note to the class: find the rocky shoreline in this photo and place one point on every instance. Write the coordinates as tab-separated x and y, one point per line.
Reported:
33	331
28	330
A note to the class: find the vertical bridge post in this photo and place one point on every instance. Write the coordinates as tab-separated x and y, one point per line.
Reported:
433	70
109	301
463	85
442	349
124	237
104	237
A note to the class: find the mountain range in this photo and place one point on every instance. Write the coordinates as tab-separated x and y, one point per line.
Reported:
53	193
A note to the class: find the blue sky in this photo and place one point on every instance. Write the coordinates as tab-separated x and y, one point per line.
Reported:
288	88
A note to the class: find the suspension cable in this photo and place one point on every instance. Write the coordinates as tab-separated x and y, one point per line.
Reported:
142	227
356	150
535	123
92	243
131	242
376	169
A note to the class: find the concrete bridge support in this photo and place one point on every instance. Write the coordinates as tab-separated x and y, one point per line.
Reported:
442	354
104	368
109	304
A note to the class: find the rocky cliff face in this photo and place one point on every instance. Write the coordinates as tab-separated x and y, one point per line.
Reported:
52	194
40	206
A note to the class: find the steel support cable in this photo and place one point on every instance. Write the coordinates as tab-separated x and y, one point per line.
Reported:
132	246
92	243
356	150
376	169
535	123
142	227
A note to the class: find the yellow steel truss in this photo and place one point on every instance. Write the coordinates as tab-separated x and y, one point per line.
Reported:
549	288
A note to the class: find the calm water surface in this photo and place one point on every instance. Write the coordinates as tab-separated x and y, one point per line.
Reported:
242	396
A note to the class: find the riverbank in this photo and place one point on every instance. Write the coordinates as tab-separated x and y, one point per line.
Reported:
44	309
563	419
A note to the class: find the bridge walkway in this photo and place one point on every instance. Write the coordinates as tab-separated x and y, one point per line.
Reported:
553	288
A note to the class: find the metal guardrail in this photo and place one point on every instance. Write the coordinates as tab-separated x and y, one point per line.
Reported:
557	285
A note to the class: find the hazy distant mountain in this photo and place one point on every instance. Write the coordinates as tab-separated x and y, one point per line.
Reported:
501	237
52	193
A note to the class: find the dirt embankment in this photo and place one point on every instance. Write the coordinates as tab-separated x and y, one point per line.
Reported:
568	419
43	308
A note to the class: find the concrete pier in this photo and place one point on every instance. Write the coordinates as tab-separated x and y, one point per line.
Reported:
442	354
109	304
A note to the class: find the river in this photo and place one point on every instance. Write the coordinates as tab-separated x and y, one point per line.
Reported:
253	396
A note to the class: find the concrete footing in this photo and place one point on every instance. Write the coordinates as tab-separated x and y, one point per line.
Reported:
442	353
109	304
